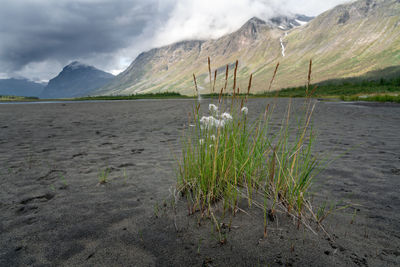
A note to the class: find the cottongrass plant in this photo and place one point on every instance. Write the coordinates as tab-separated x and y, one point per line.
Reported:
227	158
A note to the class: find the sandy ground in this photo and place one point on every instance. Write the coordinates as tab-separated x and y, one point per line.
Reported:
53	212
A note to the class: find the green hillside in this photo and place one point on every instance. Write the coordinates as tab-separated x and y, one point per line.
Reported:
347	41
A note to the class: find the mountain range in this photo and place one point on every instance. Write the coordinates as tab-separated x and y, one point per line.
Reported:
346	41
350	40
75	80
20	87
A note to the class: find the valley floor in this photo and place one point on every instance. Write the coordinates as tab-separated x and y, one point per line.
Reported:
54	212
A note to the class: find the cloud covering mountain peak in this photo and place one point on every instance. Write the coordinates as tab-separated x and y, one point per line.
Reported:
38	38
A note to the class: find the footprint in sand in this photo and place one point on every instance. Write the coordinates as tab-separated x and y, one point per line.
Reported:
137	150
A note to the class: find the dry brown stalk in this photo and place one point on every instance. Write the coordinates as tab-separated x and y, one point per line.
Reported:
209	71
195	83
226	76
313	90
215	79
248	88
273	77
309	76
234	77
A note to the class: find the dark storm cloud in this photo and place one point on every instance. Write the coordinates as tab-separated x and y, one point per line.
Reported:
34	31
39	37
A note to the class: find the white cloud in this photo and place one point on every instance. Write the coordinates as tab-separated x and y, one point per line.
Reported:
42	36
202	19
35	70
312	7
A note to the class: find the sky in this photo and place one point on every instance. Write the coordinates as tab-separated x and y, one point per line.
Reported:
39	37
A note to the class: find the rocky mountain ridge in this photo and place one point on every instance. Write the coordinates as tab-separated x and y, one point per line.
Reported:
75	80
348	40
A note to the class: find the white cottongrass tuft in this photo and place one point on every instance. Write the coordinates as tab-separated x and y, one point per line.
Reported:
226	116
245	110
201	141
210	121
212	108
212	137
206	120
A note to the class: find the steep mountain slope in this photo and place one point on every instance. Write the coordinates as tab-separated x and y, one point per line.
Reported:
348	40
170	68
20	87
76	79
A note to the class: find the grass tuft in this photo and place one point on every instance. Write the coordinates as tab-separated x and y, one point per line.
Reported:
226	158
103	176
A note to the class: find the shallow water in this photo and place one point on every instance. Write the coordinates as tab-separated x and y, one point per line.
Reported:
83	101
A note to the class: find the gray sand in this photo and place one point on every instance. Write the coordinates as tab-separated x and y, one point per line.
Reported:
53	212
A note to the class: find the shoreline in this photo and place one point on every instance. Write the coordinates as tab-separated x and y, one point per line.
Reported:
318	98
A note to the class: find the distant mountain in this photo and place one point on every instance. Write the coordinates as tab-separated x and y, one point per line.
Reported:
76	79
20	87
348	40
